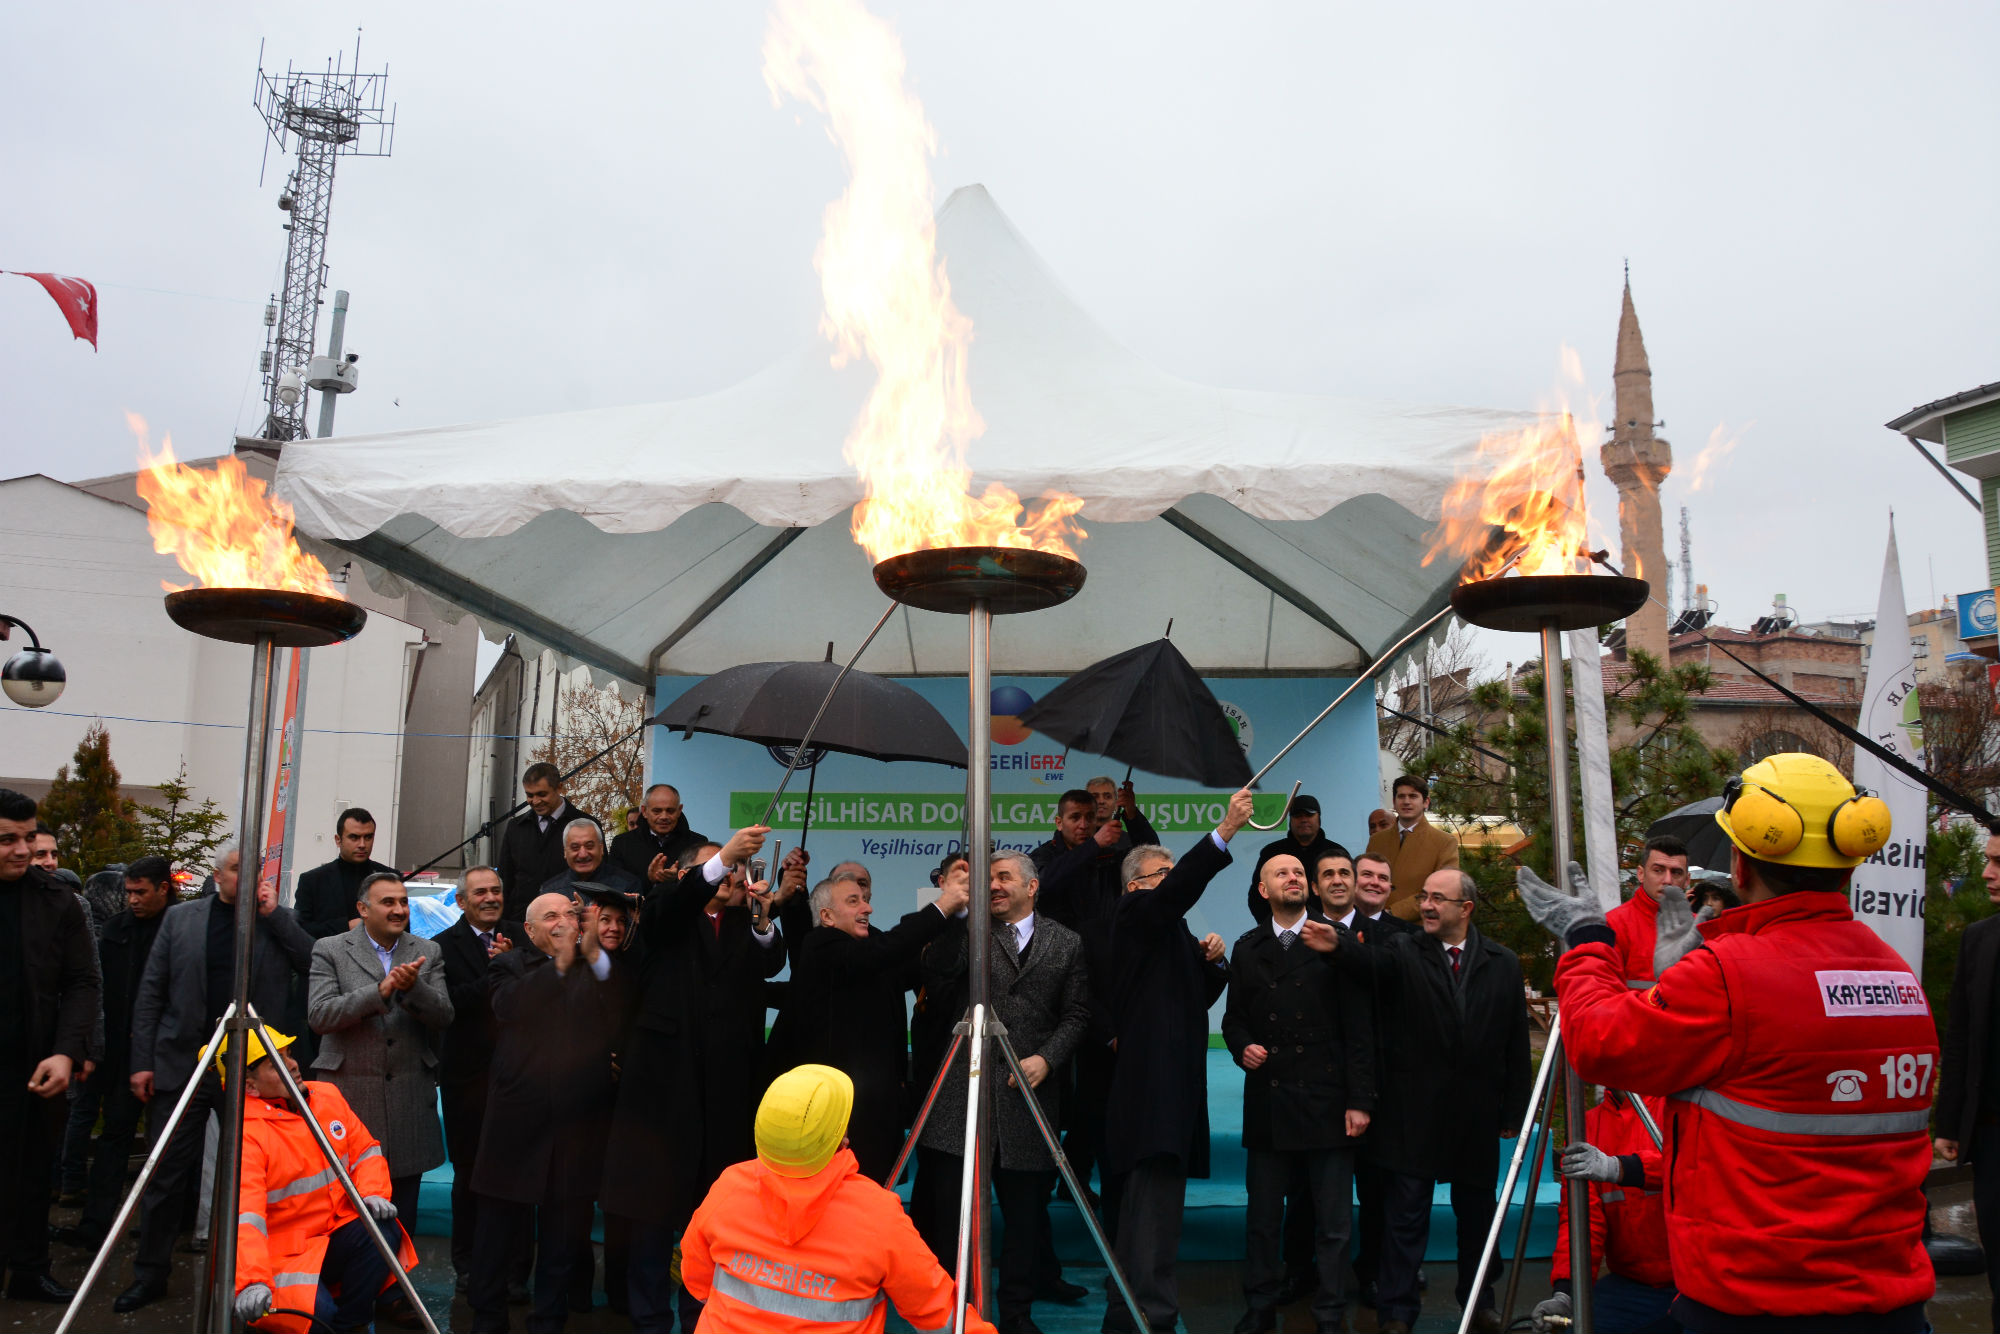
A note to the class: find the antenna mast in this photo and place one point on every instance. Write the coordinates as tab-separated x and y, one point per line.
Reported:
1687	565
318	118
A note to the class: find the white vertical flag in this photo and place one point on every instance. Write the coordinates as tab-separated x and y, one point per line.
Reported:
1888	888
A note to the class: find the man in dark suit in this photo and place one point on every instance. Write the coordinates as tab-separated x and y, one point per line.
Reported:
324	900
1367	918
584	863
844	1007
531	846
1158	992
1299	1024
49	999
468	946
548	1108
692	1065
663	832
189	981
1081	868
121	959
1454	1082
1968	1104
1039	991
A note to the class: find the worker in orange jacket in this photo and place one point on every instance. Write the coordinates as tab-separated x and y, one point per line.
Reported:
797	1241
300	1246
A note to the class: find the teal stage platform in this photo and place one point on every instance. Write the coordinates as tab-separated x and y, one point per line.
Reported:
1214	1224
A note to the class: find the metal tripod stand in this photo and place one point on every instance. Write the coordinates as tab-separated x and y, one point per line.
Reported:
981	1027
224	1219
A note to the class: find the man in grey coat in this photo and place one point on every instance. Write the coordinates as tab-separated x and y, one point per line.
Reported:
1041	994
189	981
379	1004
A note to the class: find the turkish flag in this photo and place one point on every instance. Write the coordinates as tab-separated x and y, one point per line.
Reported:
78	300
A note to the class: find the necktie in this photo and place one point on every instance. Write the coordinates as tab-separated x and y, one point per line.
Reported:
1285	938
1401	834
1453	950
486	939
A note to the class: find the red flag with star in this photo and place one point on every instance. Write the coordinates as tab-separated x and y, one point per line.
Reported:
78	300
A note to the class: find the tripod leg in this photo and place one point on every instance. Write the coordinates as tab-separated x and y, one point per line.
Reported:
160	1140
924	1112
968	1248
340	1170
1527	1217
1075	1187
1551	1061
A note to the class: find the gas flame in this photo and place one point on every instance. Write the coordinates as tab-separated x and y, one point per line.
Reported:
888	298
1722	442
1528	483
220	525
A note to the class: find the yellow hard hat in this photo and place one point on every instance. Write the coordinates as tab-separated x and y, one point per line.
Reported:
252	1053
803	1118
1798	810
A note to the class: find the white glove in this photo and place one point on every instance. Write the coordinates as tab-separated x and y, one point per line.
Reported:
253	1303
1557	1306
1675	934
1590	1163
379	1209
1559	911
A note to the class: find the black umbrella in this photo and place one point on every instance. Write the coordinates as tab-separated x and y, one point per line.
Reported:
1694	824
773	704
1147	707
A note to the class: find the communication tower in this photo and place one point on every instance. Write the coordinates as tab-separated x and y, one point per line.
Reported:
318	118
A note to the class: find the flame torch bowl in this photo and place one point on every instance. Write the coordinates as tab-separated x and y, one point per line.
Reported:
1527	603
248	615
1005	579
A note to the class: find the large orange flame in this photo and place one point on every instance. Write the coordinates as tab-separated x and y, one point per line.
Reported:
888	298
1528	484
220	525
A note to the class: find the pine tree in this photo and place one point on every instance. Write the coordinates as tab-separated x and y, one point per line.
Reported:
183	833
95	825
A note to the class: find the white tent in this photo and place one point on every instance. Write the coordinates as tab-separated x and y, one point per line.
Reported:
1283	532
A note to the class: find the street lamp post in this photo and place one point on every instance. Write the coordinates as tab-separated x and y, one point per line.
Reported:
32	678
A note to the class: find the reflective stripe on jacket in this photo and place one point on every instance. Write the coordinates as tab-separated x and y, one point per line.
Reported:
1628	1224
1798	1055
291	1201
824	1254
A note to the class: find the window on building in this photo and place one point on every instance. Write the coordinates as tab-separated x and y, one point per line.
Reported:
1920	646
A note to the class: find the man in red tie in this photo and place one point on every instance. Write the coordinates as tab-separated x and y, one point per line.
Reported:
1454	1082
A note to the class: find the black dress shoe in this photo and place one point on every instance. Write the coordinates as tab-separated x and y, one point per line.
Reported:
37	1288
1257	1322
1061	1290
1486	1321
398	1312
76	1234
143	1293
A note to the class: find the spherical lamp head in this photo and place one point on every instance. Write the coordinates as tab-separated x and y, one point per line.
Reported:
33	678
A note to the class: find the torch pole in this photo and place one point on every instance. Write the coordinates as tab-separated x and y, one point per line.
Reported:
978	925
1576	1191
215	1313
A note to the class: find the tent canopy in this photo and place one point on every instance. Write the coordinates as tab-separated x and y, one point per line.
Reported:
1283	531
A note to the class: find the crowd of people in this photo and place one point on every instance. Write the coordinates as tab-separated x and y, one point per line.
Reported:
589	1036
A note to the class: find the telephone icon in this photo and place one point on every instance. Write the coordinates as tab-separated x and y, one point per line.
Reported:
1847	1085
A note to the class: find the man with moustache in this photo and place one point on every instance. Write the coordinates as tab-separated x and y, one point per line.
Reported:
663	831
584	863
1298	1023
1039	991
548	1107
844	1007
1455	1081
466	949
378	996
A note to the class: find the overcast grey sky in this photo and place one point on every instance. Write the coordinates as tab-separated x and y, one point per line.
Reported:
597	203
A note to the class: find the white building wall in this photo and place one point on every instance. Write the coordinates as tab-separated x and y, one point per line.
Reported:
83	572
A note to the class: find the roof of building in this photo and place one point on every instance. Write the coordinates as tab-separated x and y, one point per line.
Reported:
1927	422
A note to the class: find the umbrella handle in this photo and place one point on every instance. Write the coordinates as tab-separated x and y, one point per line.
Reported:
1283	815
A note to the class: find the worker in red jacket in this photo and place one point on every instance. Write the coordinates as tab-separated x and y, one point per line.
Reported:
1796	1052
1636	920
1628	1226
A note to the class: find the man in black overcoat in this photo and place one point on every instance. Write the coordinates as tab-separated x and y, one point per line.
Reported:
531	846
325	896
1968	1103
1081	868
1158	992
470	944
844	1007
1298	1023
1454	1082
49	1000
692	1063
1369	920
663	832
548	1110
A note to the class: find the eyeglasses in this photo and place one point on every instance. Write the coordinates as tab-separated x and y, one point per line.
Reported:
1436	899
1154	874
